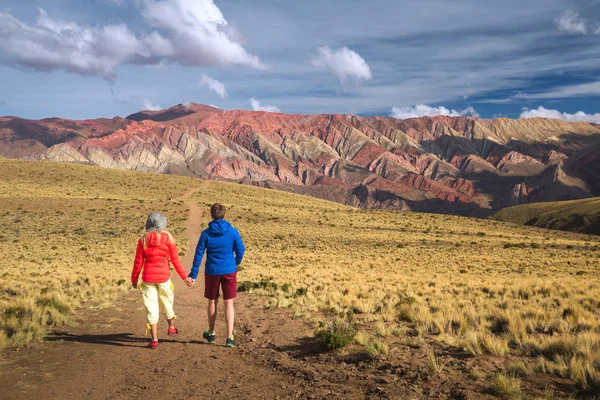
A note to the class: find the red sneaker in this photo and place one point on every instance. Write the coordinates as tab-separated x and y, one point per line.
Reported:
153	344
173	331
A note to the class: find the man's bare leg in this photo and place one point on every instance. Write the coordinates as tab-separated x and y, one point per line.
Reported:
229	314
212	315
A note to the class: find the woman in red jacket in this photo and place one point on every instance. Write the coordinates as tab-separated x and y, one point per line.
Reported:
154	251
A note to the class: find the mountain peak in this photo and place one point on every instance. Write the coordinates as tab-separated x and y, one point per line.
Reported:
173	113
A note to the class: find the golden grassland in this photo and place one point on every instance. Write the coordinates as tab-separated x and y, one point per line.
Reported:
69	236
486	287
489	288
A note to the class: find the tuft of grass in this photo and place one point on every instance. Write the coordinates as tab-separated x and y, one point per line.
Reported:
433	366
376	348
506	386
518	369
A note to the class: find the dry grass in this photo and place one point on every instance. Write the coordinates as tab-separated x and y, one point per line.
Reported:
506	386
487	287
69	236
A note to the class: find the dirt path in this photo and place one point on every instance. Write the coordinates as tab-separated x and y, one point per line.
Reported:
104	355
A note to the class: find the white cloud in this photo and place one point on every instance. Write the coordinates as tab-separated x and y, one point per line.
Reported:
581	90
148	105
213	85
344	64
542	112
188	32
570	22
198	33
255	104
421	110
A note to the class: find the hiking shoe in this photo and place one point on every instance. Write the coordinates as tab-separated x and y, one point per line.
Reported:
173	331
153	344
230	342
210	337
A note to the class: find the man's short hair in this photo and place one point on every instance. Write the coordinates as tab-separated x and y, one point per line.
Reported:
217	211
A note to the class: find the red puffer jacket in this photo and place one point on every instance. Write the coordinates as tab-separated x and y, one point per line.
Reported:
155	259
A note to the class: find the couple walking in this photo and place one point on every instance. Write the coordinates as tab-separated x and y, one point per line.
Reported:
224	252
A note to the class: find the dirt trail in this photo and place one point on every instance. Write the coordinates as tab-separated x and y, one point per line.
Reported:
104	355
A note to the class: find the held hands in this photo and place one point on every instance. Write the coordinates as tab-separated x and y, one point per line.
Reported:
134	285
189	281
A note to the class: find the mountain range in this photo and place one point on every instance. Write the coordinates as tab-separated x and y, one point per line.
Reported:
460	165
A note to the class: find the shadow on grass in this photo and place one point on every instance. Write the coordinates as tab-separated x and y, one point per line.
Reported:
113	339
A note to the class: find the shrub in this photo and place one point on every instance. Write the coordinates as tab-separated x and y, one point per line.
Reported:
339	331
515	245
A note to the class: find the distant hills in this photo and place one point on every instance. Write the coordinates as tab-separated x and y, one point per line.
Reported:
581	216
459	165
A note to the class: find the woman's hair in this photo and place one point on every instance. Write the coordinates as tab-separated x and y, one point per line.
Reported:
170	237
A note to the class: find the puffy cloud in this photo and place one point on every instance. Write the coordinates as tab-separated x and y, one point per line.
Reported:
570	22
542	112
150	106
421	110
188	32
198	33
344	64
255	104
213	85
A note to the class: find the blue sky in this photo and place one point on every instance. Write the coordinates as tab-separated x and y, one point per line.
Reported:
103	58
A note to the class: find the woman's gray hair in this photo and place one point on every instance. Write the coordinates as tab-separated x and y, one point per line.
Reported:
156	222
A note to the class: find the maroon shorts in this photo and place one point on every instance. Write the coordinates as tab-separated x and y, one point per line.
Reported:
227	282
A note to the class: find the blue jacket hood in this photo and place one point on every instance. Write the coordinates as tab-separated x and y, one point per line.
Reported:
219	227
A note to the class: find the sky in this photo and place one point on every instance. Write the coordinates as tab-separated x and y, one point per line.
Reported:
104	58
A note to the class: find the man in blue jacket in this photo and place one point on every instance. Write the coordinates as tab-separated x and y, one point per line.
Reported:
224	252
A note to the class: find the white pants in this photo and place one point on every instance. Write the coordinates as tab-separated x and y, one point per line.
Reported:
152	294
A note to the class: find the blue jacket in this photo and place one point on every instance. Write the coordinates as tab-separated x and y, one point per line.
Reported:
220	241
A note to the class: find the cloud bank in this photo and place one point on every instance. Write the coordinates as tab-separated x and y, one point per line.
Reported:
256	106
187	32
542	112
345	64
213	85
422	110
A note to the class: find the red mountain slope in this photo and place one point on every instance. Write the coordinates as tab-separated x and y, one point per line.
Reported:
442	164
